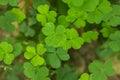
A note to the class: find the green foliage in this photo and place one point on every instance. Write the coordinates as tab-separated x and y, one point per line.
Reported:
85	76
47	33
45	15
55	56
89	36
36	73
66	72
10	2
6	52
6	21
34	54
101	71
111	47
19	14
13	71
61	37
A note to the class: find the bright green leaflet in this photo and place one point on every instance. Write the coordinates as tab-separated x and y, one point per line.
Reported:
78	17
85	76
35	54
90	36
19	14
88	5
55	36
45	15
73	39
36	73
6	52
62	21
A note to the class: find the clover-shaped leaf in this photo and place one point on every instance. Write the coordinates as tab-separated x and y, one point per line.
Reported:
11	2
5	52
54	56
45	15
90	36
114	18
17	49
101	71
36	73
19	14
35	54
6	21
85	76
77	17
100	12
114	41
55	36
49	29
73	39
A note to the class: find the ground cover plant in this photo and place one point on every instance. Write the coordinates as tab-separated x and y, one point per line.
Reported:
59	39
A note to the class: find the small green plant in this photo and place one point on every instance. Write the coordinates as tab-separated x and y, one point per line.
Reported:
44	36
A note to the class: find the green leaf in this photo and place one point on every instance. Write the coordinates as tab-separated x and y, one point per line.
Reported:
74	40
19	14
108	68
43	9
95	66
36	73
41	49
8	58
41	18
37	60
48	29
6	22
6	47
88	5
29	70
114	41
45	15
107	6
58	38
77	3
51	16
53	60
90	36
62	54
11	2
1	54
66	73
62	21
114	18
17	49
85	76
30	52
99	75
101	71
